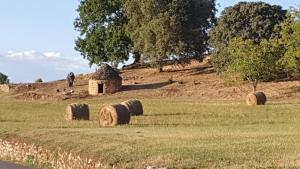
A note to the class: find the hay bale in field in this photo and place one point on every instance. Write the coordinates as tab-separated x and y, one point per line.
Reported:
258	98
134	106
113	115
77	112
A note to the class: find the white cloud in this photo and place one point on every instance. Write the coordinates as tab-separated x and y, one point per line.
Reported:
51	54
26	55
25	66
51	57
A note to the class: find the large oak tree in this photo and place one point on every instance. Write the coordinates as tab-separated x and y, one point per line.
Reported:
246	20
170	29
101	24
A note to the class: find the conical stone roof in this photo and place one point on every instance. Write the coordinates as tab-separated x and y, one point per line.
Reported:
106	72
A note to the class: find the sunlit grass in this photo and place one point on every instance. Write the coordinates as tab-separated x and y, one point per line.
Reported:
172	133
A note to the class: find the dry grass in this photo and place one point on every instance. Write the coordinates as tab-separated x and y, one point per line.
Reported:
197	81
172	133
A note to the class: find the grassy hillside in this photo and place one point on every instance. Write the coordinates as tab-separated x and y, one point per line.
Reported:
173	133
197	81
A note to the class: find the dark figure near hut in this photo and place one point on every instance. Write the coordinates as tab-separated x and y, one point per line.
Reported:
70	79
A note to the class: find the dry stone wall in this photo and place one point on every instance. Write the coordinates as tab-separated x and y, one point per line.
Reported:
37	155
93	87
109	86
112	86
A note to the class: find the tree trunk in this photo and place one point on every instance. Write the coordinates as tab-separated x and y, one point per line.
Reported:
254	85
159	65
137	57
160	69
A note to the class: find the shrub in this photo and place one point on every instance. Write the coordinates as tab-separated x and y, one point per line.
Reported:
252	61
3	78
39	80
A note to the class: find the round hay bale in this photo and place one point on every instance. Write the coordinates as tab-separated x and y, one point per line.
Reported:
77	112
134	106
113	115
258	98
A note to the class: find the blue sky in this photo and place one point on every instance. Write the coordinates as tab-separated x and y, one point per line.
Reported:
37	38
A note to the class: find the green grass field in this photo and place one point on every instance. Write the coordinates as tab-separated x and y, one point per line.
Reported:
172	133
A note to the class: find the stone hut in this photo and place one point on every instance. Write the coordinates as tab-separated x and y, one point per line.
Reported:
105	80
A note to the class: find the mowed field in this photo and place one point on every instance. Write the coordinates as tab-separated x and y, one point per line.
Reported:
173	133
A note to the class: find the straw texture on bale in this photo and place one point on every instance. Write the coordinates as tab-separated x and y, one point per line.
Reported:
134	106
258	98
113	115
77	112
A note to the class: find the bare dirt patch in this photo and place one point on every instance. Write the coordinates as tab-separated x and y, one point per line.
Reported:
197	80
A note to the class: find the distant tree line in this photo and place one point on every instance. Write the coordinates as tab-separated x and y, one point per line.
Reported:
252	41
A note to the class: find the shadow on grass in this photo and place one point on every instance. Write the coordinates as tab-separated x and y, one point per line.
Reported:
196	70
293	90
281	103
165	114
288	79
145	86
161	125
12	121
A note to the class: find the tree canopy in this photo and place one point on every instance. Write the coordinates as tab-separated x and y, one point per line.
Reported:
262	59
246	20
164	29
101	24
252	61
290	40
